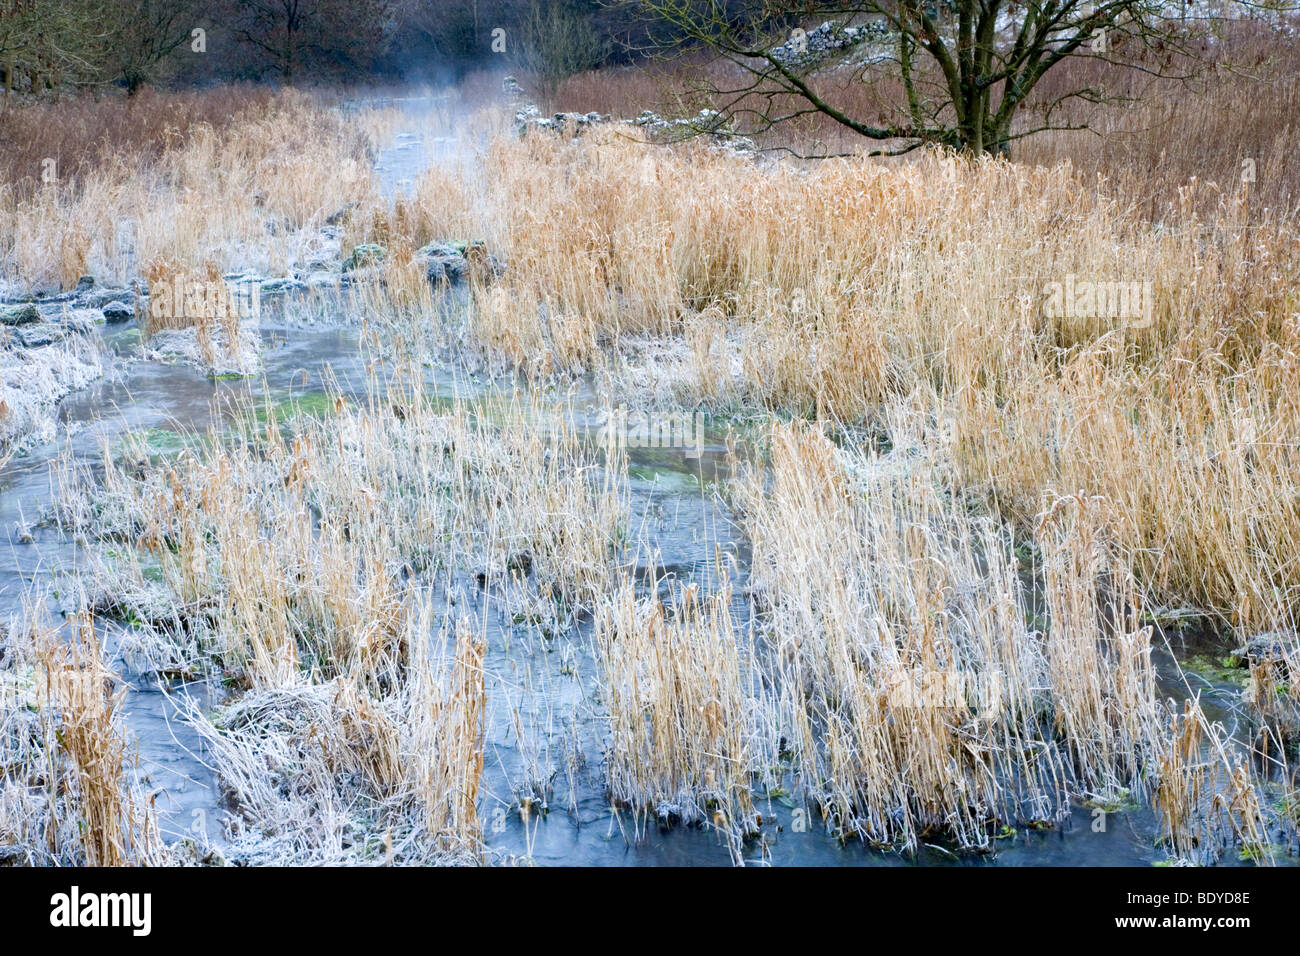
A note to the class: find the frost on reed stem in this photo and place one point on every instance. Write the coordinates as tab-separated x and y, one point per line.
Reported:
842	286
249	195
1098	654
1206	795
67	796
900	674
911	692
310	567
682	695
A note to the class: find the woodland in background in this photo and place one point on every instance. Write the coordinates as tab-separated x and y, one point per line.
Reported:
55	45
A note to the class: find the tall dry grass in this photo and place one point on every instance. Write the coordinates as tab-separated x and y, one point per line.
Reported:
904	673
81	133
1197	765
302	562
908	674
1155	136
681	692
914	694
1187	111
239	192
67	794
834	288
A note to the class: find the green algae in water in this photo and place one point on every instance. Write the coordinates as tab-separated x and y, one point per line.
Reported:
156	442
669	480
1119	802
126	340
1220	670
312	404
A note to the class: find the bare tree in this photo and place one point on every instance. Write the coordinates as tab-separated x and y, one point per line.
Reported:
296	36
449	33
556	42
52	42
964	68
148	33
